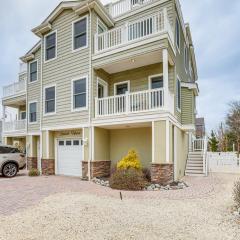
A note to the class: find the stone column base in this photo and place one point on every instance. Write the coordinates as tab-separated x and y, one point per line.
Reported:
162	173
98	169
32	163
48	166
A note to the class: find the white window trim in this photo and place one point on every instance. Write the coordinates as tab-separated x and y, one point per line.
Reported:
44	100
29	74
46	61
28	116
120	83
104	84
100	23
150	80
72	91
179	109
79	19
178	47
20	115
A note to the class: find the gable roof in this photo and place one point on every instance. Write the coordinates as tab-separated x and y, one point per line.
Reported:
30	54
79	7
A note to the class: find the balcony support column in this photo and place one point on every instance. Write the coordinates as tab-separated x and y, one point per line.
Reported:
165	78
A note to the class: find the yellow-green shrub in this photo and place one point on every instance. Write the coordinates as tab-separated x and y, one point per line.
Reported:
130	161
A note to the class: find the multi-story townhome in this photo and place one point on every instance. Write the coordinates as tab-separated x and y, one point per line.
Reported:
103	80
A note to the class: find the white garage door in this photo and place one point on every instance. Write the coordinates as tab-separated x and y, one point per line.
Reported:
70	157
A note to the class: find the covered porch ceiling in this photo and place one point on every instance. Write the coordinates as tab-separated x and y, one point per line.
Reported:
127	126
135	62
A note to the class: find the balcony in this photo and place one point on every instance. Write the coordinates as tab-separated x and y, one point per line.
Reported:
17	126
133	32
132	103
15	89
123	6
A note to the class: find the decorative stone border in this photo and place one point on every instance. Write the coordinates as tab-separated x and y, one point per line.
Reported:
153	187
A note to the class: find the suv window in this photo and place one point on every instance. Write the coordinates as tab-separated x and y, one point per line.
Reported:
4	149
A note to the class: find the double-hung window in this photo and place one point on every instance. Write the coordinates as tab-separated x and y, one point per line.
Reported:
50	46
33	71
80	34
50	100
33	112
178	34
178	94
80	93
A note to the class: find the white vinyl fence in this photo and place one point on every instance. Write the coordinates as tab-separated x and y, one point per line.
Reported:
223	162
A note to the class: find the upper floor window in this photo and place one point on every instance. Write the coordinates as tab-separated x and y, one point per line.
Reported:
80	34
33	71
178	34
79	93
33	112
50	100
50	46
101	26
156	82
22	115
178	94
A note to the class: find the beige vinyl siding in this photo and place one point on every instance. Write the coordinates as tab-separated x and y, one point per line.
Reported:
101	144
188	116
138	78
62	70
34	92
122	140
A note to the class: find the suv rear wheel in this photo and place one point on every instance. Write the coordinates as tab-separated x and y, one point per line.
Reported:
10	170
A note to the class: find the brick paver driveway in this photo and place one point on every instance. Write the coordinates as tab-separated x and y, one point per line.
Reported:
22	191
62	208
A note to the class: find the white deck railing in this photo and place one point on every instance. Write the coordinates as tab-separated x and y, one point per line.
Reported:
14	89
120	7
198	145
134	31
14	126
129	103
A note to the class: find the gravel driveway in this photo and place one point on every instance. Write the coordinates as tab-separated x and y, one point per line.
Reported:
66	208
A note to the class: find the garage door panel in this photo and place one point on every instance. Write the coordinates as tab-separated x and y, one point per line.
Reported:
70	157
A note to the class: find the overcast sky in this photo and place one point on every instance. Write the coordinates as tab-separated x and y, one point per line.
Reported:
215	31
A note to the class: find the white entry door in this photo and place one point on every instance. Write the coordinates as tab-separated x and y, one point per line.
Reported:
69	160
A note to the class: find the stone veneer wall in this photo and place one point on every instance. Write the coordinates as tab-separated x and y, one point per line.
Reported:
32	163
98	169
48	166
162	173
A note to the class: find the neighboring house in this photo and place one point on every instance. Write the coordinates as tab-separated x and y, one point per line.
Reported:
105	79
200	128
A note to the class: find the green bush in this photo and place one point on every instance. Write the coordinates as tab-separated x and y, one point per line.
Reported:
33	172
128	179
236	193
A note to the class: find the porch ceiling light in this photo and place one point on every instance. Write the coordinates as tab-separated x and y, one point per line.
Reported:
133	60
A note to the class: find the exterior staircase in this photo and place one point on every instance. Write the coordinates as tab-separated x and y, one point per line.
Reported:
196	162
